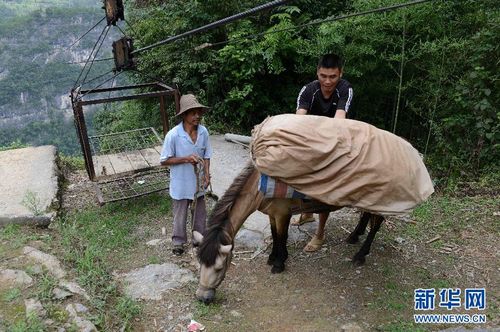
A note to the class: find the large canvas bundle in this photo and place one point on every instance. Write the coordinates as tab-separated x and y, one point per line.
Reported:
342	162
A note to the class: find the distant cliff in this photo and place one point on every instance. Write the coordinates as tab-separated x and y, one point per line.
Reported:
35	70
37	66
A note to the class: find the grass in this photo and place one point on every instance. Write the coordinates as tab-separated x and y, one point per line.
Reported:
450	215
32	202
15	236
30	324
127	309
202	310
11	295
90	241
154	260
95	238
46	286
96	241
71	163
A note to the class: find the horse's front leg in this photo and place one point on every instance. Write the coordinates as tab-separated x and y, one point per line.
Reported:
279	253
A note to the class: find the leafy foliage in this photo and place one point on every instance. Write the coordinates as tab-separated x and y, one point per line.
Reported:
449	82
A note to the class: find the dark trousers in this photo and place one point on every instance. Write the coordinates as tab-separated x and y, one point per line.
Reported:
180	209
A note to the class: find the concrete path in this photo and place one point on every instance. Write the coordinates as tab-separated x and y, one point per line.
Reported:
28	185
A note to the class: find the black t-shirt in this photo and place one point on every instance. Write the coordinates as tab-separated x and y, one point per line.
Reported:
311	99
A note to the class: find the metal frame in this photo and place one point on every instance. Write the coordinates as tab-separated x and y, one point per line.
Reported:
81	98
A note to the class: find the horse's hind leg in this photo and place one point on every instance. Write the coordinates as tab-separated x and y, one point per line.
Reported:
272	255
360	228
375	223
279	253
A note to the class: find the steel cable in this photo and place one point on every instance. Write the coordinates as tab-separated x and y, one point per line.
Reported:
214	24
97	52
90	55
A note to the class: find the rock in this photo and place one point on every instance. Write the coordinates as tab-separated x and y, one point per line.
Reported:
60	294
80	308
249	239
16	277
235	313
350	327
74	288
399	240
155	242
50	262
82	324
34	307
35	269
151	281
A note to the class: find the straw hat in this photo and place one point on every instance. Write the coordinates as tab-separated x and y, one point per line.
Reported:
188	102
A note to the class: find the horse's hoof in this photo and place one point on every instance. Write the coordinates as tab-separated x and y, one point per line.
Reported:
277	269
352	239
270	261
358	260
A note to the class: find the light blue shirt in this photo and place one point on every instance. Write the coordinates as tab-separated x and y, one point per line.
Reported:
178	144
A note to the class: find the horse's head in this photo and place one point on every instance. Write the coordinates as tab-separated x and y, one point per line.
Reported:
216	247
215	254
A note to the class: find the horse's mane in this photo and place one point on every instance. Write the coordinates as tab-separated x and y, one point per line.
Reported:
220	229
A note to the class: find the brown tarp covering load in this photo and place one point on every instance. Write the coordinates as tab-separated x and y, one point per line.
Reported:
342	162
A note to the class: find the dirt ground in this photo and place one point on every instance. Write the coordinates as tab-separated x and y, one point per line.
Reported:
323	291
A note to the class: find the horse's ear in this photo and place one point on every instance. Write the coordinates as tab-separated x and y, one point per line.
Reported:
198	238
226	249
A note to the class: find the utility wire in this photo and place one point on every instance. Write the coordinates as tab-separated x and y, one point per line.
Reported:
123	33
215	24
251	36
98	77
110	58
70	46
90	55
315	22
150	76
131	28
96	60
98	86
92	63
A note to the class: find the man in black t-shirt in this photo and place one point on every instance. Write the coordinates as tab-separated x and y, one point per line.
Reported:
330	96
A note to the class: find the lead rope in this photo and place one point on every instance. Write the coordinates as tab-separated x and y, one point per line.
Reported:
199	188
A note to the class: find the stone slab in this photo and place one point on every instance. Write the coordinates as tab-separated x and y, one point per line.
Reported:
28	185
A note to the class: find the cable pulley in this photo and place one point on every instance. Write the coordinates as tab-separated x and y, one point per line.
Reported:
114	11
122	52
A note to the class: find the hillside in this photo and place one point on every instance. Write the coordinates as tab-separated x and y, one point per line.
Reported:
38	67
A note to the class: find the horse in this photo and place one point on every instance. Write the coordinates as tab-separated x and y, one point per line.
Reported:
240	200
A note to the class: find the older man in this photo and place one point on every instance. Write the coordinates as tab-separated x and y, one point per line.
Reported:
187	151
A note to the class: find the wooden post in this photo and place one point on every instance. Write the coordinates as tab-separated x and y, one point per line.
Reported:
164	116
177	101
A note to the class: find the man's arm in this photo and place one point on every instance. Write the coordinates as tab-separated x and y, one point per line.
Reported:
340	114
191	159
346	94
303	100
